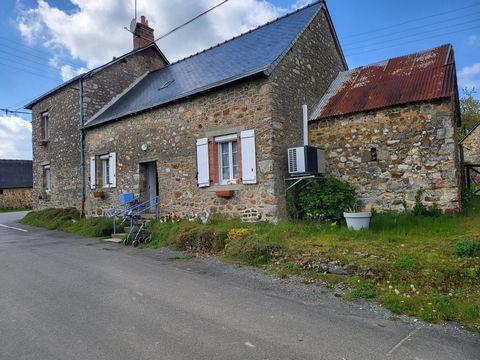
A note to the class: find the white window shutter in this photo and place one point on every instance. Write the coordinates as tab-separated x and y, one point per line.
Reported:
113	169
249	166
203	170
92	172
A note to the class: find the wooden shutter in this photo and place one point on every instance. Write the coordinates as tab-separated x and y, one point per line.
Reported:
249	167
93	172
112	163
203	178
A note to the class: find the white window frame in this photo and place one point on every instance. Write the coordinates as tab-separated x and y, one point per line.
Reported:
47	173
105	170
45	125
226	139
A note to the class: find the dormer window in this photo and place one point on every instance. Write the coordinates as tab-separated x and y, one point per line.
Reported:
44	125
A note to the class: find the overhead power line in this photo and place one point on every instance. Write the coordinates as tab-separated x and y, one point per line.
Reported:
432	31
7	112
445	22
190	21
410	21
412	41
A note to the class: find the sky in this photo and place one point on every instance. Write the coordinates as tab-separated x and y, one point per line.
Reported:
45	42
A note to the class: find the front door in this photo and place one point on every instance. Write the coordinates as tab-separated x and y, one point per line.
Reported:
152	184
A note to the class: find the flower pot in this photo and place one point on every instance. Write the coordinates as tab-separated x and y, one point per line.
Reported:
358	220
99	194
224	193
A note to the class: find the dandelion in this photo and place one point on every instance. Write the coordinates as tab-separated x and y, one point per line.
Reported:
402	301
429	303
397	292
434	310
418	292
412	286
390	286
408	296
450	294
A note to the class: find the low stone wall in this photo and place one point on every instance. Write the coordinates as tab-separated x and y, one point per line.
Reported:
390	154
16	198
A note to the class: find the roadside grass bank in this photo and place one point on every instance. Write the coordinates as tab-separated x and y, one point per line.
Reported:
423	266
428	267
69	220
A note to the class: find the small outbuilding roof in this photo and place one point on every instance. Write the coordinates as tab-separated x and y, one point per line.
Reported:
425	75
15	174
255	52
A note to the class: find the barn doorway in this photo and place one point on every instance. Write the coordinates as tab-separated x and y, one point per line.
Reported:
149	181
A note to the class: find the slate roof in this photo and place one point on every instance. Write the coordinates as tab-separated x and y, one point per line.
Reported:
93	71
15	174
255	52
426	75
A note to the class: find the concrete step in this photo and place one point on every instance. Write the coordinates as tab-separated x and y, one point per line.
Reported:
116	238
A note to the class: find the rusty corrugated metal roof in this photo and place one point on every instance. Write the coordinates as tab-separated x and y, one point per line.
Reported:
416	77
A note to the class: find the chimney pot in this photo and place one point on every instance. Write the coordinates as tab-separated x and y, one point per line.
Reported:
142	20
143	34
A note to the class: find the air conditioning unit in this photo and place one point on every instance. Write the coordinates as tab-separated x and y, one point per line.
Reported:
306	160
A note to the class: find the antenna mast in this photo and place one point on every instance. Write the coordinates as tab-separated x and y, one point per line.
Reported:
135	10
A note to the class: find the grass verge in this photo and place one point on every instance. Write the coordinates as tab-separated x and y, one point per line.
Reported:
69	220
428	267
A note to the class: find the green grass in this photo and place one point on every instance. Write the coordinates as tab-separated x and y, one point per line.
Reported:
415	260
426	267
69	220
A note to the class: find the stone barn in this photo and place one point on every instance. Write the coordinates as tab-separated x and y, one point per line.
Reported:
389	129
471	147
15	184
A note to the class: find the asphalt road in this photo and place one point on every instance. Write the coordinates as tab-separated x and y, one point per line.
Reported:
65	297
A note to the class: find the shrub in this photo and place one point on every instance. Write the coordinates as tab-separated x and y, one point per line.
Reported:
326	200
468	248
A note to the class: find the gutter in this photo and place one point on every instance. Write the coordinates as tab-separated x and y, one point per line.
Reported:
82	150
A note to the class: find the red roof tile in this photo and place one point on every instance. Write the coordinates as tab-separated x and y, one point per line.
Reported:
421	76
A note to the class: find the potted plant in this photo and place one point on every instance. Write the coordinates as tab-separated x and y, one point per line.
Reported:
356	219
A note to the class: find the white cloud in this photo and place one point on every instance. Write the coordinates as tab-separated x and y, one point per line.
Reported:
69	72
473	40
15	138
94	32
469	76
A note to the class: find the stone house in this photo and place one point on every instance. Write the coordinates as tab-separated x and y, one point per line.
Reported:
389	129
210	132
15	184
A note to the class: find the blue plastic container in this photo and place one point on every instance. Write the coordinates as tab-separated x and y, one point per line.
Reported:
126	198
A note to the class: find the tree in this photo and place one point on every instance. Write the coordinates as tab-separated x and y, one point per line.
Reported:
470	110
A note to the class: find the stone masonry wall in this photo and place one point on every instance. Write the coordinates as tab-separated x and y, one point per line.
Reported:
471	147
415	148
170	133
302	77
20	198
62	151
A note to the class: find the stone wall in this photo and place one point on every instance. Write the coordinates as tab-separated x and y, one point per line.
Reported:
62	151
20	198
415	148
471	147
302	77
170	133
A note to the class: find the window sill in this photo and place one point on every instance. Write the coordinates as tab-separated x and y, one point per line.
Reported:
216	188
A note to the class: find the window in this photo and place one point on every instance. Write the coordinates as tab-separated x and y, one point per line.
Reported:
1	191
373	154
47	178
227	158
105	170
45	125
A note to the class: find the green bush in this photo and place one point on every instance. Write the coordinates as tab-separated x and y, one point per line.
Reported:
326	200
468	248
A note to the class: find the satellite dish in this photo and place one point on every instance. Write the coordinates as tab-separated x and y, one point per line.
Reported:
133	25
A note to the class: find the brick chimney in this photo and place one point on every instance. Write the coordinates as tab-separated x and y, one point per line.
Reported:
143	34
